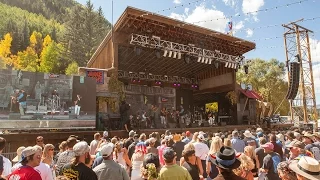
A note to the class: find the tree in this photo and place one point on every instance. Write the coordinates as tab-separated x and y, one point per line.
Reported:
36	42
28	60
72	69
5	49
25	35
267	78
50	57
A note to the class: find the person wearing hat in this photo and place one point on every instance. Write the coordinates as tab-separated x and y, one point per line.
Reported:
202	151
306	168
130	140
5	166
289	137
178	146
296	149
109	169
248	137
18	156
171	170
270	162
77	168
226	160
314	148
67	155
188	137
30	158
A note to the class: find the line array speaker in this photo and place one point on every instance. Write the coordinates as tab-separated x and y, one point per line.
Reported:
294	80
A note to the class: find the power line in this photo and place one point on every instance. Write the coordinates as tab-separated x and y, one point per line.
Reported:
252	12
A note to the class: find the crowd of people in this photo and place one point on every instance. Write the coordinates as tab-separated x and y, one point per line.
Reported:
237	155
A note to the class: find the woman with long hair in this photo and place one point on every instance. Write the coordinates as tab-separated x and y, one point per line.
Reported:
250	152
211	169
244	170
284	172
47	157
120	155
137	160
189	147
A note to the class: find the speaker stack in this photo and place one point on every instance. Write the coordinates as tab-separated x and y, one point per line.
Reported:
294	80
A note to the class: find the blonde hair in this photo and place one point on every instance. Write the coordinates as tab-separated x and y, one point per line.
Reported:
246	165
227	142
249	151
45	153
216	144
189	147
195	137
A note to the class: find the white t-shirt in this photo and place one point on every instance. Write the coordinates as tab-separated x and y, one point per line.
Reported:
6	166
201	150
93	146
43	169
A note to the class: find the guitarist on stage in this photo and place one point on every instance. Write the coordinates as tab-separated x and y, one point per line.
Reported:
22	101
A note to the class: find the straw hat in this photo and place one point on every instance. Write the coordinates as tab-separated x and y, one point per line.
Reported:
307	167
19	152
248	134
177	137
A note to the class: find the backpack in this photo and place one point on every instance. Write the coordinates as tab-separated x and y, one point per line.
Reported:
276	160
315	150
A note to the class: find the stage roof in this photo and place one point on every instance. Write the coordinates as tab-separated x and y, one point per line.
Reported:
136	21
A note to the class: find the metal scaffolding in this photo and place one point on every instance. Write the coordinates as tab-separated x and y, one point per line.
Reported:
296	42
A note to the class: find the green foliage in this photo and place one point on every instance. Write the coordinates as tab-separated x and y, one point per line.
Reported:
72	69
72	33
267	78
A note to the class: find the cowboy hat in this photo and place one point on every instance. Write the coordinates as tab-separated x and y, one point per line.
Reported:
226	158
307	167
248	134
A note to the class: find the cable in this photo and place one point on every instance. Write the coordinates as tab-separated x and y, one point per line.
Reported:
260	10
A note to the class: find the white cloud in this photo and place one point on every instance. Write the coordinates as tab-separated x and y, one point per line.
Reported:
315	57
239	26
249	7
205	16
177	1
186	10
249	32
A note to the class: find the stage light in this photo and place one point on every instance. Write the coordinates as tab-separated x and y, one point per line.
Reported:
179	55
174	54
192	86
230	64
226	64
186	59
216	64
133	80
159	82
203	59
139	80
165	53
207	60
199	59
178	84
174	84
170	53
210	61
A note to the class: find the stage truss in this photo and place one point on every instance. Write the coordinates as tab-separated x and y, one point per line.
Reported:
296	40
175	50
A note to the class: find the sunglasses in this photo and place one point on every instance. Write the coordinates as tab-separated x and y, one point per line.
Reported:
40	141
51	149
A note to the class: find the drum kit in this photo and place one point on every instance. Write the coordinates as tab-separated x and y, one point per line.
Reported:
52	103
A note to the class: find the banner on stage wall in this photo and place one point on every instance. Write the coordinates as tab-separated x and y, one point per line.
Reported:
97	75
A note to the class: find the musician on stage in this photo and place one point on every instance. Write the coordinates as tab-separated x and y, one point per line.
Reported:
163	117
14	104
152	116
77	105
22	99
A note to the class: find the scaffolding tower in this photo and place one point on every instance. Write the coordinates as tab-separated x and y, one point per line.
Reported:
296	43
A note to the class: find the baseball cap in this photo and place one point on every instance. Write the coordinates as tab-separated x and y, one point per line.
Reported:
201	137
188	133
295	143
168	153
81	148
268	145
28	151
260	134
107	150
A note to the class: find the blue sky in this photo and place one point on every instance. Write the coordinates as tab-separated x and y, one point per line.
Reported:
248	26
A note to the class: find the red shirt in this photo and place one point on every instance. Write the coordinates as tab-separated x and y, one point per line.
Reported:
25	173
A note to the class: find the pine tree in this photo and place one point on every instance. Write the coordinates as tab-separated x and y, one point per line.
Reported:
25	35
90	23
13	29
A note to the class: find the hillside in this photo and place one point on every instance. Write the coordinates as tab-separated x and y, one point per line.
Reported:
49	35
50	9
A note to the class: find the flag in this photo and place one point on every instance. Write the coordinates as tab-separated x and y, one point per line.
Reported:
230	25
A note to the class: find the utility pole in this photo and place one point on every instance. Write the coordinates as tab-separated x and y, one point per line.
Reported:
296	42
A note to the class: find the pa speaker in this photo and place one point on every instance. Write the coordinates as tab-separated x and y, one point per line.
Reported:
294	80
